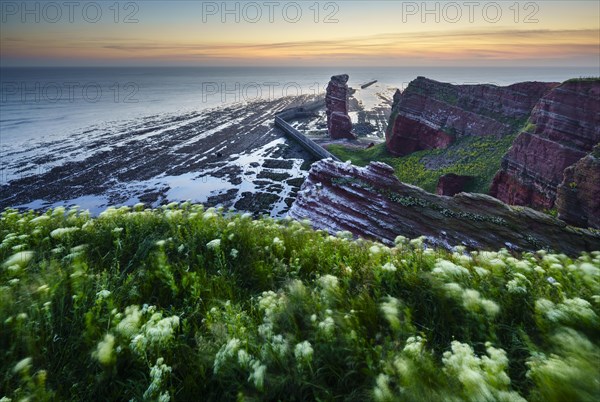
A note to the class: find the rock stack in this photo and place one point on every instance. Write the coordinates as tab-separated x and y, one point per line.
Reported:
336	102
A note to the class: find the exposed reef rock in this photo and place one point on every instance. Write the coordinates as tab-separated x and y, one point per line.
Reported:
578	196
451	184
563	128
339	123
371	202
431	114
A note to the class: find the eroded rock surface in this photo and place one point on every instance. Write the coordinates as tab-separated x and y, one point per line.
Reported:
371	202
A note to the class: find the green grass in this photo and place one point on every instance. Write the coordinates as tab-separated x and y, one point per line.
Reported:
479	157
584	79
185	304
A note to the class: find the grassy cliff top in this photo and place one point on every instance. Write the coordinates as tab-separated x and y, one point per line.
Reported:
479	157
183	303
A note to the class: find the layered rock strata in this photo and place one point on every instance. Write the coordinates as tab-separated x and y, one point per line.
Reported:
339	123
563	128
371	202
578	196
431	114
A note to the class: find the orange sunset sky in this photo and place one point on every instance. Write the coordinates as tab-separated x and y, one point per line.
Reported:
195	33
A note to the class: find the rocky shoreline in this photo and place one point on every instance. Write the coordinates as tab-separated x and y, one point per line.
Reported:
230	156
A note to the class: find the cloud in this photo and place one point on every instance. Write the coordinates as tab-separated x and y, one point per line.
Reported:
476	44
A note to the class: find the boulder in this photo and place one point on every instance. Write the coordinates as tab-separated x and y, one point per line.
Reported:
451	184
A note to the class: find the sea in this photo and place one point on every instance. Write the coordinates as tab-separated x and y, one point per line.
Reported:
45	104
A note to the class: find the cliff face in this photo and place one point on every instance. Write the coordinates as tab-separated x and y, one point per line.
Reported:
339	123
371	202
565	126
431	114
578	196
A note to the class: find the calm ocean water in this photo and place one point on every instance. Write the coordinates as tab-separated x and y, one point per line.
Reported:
40	104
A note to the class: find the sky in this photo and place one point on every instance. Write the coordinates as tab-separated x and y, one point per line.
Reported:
300	33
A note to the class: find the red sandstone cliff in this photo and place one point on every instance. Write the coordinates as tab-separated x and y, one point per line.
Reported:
578	196
564	127
431	114
339	123
371	202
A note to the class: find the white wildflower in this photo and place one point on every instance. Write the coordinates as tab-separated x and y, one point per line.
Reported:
589	269
233	253
214	244
131	323
400	240
279	345
103	294
473	302
158	375
481	271
414	346
382	390
209	214
226	352
453	289
19	259
269	302
303	351
43	289
104	350
23	365
418	242
40	219
374	250
243	358
327	326
329	287
447	269
389	308
257	377
160	330
389	267
61	232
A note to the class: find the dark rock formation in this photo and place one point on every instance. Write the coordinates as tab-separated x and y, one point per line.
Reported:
336	102
431	114
578	196
371	202
451	184
563	128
